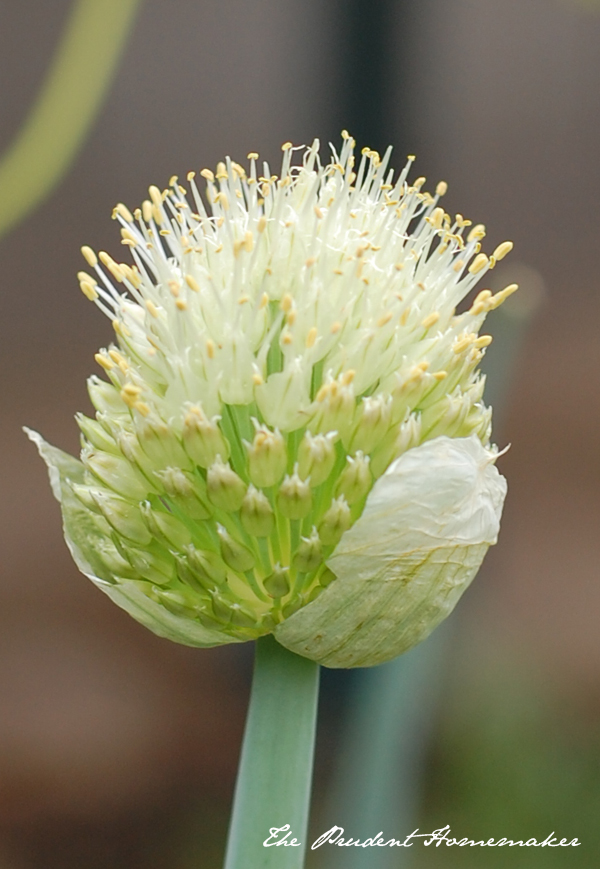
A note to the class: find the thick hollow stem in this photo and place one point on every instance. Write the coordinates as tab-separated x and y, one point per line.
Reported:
275	772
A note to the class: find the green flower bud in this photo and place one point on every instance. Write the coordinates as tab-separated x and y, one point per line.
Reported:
355	480
316	456
202	437
267	457
335	521
160	443
124	517
116	473
165	527
256	513
225	489
294	498
374	420
234	554
278	583
201	569
309	554
97	434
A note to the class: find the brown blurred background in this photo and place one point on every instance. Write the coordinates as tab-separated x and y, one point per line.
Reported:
118	749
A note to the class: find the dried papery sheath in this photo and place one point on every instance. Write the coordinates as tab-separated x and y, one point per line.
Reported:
290	435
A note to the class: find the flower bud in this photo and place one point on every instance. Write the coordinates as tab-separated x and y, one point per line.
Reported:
355	480
117	474
256	513
402	437
335	521
316	456
123	516
278	583
294	498
334	407
105	397
149	565
181	488
267	457
165	527
160	443
309	554
202	438
374	420
225	489
96	434
234	554
201	569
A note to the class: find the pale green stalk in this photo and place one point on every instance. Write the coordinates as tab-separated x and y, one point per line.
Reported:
275	771
68	102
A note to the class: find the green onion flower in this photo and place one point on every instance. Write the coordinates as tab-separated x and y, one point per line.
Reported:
291	438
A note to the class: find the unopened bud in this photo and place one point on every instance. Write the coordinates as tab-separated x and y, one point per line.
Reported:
234	554
166	527
176	603
267	457
355	480
316	456
334	406
225	489
150	566
117	474
201	569
160	443
123	516
180	487
202	438
233	612
335	521
373	423
105	397
309	554
256	513
278	583
97	434
294	498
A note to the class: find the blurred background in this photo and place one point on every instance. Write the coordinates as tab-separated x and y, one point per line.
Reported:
118	749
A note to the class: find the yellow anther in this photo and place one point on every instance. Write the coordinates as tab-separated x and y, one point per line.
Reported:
286	337
116	357
147	210
89	255
479	263
502	250
347	377
286	146
142	408
399	267
155	195
262	223
152	309
318	212
483	341
219	248
335	328
286	303
172	180
190	176
88	290
291	317
458	265
181	305
430	320
419	182
128	237
113	267
310	261
503	295
311	337
192	283
123	212
264	301
248	241
440	375
221	170
461	344
206	173
257	379
210	348
477	232
102	360
441	189
130	394
157	214
239	170
405	316
384	319
253	155
243	300
437	218
174	287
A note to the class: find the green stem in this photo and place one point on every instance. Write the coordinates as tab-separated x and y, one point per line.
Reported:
275	772
69	100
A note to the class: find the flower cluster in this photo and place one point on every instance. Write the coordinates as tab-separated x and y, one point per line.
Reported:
287	348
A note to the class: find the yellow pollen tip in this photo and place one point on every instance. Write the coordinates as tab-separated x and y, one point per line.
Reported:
384	319
152	309
124	212
502	250
89	255
264	301
440	375
441	189
192	283
257	380
348	377
500	297
286	146
335	328
483	341
311	337
103	361
286	303
479	263
190	176
430	320
210	348
181	305
155	195
253	155
207	174
262	223
477	232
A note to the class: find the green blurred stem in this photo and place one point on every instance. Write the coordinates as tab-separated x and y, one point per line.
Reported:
69	100
275	772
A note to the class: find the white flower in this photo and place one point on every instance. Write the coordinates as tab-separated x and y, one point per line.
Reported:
278	346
